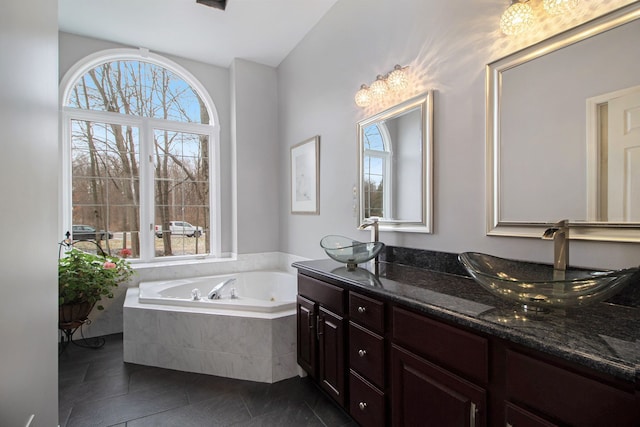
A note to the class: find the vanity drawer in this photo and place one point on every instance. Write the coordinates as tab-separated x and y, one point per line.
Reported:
366	354
366	402
367	312
452	348
329	296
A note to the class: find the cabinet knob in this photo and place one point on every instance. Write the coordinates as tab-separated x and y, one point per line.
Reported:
362	309
362	353
362	406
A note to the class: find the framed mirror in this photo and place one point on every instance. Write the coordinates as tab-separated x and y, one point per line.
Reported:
395	166
554	111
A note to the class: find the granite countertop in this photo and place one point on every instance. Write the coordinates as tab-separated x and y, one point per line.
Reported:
604	337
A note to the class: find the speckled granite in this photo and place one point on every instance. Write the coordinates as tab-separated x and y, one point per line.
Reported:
604	337
445	262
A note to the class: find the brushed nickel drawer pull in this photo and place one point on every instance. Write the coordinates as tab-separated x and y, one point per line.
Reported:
362	406
362	309
362	353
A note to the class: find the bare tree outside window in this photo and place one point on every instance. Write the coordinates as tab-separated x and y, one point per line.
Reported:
106	155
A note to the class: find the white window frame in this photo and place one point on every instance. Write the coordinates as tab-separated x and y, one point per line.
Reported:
146	127
387	174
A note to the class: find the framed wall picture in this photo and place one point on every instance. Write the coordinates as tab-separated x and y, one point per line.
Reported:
305	177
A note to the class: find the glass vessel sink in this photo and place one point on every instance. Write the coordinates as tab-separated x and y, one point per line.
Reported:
348	251
541	286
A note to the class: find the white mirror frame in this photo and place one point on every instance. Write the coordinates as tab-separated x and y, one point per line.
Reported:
599	231
425	224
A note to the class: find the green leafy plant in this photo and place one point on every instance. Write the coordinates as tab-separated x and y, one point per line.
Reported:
86	277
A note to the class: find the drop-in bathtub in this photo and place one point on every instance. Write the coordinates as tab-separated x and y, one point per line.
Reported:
251	337
256	291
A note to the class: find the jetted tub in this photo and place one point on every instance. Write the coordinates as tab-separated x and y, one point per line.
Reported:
260	291
252	337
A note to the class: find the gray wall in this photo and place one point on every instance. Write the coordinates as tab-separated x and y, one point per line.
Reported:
447	45
255	140
29	212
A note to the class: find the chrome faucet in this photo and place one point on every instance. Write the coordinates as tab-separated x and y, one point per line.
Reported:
372	222
559	233
216	292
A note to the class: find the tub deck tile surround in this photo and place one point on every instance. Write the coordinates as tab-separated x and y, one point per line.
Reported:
256	348
97	388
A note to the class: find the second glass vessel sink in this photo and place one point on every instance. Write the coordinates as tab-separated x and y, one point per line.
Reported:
348	251
540	285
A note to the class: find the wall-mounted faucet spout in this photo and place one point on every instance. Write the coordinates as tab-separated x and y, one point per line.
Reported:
559	233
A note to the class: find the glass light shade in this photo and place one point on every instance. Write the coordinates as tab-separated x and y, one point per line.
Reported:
363	96
558	7
379	88
398	79
516	19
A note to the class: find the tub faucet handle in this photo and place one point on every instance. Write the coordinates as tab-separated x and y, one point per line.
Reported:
196	295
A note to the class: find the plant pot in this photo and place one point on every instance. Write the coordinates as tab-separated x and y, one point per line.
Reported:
72	316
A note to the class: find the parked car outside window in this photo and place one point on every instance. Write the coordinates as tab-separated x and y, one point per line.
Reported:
87	232
180	228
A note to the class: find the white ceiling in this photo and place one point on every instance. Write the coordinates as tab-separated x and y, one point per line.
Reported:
264	31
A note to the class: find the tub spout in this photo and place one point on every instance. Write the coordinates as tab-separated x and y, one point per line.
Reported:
216	292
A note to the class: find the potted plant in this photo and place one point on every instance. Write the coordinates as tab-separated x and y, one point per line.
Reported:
83	279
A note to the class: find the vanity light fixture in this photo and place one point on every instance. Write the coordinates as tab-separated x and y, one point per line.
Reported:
363	96
558	7
517	18
394	81
398	79
379	88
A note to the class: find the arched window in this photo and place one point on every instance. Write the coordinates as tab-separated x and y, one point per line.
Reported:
140	156
377	171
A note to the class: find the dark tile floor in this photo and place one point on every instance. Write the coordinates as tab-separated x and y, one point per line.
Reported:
96	388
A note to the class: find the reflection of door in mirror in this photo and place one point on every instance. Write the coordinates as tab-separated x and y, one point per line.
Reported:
617	166
624	158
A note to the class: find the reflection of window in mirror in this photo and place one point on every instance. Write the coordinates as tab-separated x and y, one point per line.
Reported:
377	173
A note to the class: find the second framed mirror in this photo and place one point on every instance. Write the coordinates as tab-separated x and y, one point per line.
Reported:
395	166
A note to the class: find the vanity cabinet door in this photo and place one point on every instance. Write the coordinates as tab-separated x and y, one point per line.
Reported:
424	394
306	333
331	366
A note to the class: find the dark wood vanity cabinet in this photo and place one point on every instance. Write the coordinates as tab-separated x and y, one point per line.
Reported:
321	334
390	365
